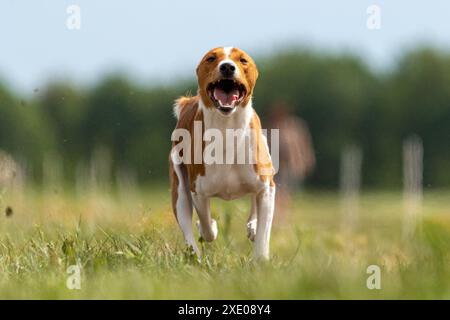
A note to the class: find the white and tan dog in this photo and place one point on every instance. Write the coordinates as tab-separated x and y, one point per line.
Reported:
226	79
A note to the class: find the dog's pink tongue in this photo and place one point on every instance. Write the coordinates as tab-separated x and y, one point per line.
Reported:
226	99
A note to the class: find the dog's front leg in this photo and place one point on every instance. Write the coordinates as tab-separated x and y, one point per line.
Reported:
182	203
207	226
265	202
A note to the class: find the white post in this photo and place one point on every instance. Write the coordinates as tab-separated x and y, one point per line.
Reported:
100	169
412	183
350	184
52	172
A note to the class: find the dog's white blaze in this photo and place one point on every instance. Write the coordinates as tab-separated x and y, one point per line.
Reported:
227	59
227	51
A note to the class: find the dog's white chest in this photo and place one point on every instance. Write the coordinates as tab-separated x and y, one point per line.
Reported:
228	181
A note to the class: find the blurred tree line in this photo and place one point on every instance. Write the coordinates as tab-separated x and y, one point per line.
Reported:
343	101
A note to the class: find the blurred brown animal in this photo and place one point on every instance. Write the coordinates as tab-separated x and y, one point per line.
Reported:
296	153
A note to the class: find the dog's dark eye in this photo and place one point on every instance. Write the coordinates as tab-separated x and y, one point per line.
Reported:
244	61
211	59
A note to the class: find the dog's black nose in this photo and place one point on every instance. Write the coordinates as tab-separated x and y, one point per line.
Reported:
227	69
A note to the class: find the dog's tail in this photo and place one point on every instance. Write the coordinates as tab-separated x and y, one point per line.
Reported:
183	103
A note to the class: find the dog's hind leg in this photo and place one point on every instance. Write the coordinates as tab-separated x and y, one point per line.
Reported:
182	202
251	222
207	226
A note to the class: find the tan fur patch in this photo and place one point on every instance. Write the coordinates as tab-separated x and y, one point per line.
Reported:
263	166
188	114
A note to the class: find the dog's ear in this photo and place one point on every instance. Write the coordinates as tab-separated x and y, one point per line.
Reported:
253	75
197	70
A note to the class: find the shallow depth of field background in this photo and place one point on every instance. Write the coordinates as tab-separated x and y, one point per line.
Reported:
85	125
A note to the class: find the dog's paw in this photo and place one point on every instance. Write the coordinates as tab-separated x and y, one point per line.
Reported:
215	229
251	229
208	235
191	253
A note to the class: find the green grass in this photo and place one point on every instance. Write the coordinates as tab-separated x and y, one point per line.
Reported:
130	247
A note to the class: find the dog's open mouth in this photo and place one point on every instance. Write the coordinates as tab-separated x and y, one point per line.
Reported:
226	94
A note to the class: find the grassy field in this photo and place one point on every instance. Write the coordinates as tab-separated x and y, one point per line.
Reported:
129	246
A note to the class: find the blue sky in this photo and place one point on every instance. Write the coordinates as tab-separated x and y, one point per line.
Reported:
158	41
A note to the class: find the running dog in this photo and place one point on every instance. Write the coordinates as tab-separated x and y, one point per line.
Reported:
226	80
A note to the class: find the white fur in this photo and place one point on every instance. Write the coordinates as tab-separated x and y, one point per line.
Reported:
227	59
227	51
209	233
184	206
226	181
176	110
265	204
251	229
252	220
